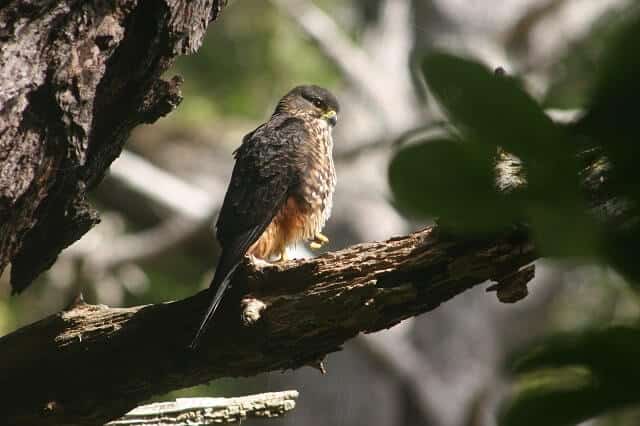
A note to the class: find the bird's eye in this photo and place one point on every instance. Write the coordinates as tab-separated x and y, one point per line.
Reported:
317	102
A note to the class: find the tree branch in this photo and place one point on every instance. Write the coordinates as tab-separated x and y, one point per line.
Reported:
169	192
91	363
208	411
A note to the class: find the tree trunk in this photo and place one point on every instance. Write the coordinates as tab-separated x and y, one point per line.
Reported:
75	78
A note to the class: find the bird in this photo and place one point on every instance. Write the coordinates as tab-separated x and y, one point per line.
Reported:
281	187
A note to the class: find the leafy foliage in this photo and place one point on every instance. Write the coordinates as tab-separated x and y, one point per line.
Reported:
451	173
456	182
571	377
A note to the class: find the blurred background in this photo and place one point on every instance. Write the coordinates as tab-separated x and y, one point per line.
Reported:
155	242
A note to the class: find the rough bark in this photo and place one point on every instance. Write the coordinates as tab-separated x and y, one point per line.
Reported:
75	78
90	364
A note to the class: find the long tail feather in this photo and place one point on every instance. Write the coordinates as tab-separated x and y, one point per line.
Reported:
230	259
221	280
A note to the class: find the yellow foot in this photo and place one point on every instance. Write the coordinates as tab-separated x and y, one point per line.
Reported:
283	256
318	241
322	238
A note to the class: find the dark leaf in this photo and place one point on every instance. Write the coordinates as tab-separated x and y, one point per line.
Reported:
557	397
612	116
492	109
571	377
454	181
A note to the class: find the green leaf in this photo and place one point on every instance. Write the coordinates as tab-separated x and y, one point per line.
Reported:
612	116
617	83
561	228
491	109
612	122
571	377
610	348
622	248
555	397
454	181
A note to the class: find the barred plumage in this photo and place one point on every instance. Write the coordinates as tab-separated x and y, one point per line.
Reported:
282	185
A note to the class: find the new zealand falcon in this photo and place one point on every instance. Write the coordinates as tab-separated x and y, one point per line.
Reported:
281	187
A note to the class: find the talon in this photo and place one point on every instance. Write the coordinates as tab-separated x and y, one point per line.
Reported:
321	238
318	241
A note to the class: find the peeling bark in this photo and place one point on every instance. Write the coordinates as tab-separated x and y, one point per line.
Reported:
92	363
75	78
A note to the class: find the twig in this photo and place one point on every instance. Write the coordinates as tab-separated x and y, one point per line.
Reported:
208	411
169	191
335	44
192	210
145	246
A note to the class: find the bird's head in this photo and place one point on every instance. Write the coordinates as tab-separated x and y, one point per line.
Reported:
310	102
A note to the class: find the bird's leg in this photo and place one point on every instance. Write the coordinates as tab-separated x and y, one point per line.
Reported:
318	241
259	263
283	256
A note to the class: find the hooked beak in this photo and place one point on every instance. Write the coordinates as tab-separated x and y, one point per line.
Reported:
331	117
